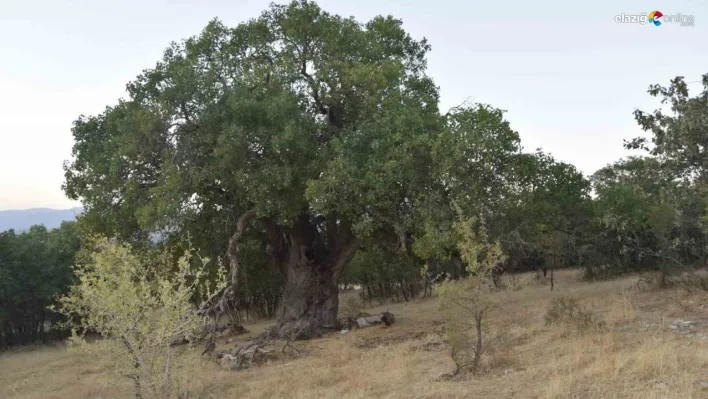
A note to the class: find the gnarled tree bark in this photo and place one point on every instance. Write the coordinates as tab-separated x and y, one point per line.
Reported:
311	287
311	254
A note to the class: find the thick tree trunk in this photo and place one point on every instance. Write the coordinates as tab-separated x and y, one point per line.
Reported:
311	260
310	294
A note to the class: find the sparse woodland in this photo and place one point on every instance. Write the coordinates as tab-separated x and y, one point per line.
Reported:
299	154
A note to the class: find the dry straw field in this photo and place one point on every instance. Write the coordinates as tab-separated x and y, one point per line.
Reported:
639	355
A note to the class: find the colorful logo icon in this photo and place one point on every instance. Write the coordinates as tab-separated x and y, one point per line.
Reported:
654	17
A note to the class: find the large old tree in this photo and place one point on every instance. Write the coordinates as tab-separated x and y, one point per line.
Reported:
305	132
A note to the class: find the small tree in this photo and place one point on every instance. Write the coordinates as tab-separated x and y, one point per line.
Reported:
553	244
140	310
470	297
662	221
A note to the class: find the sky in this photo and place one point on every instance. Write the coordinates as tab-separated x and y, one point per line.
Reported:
568	75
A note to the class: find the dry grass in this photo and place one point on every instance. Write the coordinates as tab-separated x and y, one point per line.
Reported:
637	357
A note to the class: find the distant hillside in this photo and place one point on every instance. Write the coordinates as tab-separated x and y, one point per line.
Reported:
23	219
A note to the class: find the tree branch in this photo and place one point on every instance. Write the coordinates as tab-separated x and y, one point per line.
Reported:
346	254
216	307
331	229
233	245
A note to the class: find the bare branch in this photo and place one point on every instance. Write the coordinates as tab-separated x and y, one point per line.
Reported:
233	247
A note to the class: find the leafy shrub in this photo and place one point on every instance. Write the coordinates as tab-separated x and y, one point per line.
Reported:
465	303
673	277
140	313
693	282
690	282
520	281
568	311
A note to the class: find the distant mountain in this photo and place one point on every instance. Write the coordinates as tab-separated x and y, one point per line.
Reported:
22	220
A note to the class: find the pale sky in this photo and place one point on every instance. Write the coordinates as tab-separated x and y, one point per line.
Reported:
566	72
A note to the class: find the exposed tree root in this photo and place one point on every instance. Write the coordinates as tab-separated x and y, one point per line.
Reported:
256	350
209	331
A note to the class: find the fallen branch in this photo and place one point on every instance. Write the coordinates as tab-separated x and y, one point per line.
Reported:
255	351
208	330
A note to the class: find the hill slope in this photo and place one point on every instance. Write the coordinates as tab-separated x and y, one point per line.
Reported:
637	356
23	219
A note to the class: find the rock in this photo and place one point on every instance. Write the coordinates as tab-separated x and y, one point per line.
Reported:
229	362
344	331
349	323
702	384
388	318
362	322
661	384
684	324
684	327
369	321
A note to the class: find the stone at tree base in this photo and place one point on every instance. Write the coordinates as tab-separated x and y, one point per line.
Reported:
349	323
228	362
388	318
361	322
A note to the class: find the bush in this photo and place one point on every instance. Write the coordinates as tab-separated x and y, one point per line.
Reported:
140	314
517	282
568	311
689	281
693	282
466	303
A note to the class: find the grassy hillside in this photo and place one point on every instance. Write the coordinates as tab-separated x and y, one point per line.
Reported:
639	356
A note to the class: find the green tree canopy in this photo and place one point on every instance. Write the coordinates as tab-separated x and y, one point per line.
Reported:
35	267
678	136
305	131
